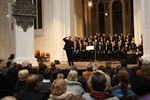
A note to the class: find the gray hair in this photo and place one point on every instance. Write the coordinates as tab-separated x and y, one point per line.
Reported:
72	75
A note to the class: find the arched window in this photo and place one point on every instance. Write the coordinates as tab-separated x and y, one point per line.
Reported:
38	19
117	17
101	17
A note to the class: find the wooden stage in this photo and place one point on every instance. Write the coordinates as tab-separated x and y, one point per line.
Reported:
82	65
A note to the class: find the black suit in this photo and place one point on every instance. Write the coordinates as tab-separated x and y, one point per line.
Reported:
69	47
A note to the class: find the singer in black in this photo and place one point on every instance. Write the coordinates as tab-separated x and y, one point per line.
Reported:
69	47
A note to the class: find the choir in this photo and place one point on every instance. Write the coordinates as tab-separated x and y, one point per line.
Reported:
106	47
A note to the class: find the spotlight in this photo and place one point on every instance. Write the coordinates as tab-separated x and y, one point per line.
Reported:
90	3
7	16
106	14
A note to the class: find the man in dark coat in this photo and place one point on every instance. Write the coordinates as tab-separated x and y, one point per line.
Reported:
31	92
69	47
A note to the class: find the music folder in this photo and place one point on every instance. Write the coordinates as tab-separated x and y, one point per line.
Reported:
89	47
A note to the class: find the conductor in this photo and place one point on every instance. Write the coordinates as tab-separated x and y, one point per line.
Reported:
69	47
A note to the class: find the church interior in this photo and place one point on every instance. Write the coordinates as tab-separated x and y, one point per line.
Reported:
106	35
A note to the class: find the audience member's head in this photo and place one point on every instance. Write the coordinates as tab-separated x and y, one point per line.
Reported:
72	75
32	81
8	64
42	66
23	74
58	87
146	69
8	98
123	75
89	68
108	64
60	76
102	68
26	65
138	73
53	65
90	65
140	85
124	85
19	66
98	82
145	62
73	67
11	57
117	69
47	74
124	63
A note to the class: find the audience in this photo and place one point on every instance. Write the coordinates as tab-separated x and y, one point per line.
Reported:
115	80
9	98
80	78
138	67
73	85
124	64
89	70
31	92
108	80
141	86
146	69
60	76
93	83
97	85
21	83
123	90
45	83
54	70
59	91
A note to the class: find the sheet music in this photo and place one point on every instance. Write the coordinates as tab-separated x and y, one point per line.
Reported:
89	47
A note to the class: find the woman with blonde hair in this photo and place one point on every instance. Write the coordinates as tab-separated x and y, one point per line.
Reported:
8	98
59	91
22	77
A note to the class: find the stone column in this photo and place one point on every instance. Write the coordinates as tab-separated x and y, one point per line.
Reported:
90	20
60	25
24	45
145	13
86	17
137	21
24	31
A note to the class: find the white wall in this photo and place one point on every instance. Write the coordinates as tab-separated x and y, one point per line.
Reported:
57	23
6	38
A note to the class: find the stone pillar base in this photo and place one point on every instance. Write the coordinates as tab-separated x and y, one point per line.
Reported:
33	61
146	57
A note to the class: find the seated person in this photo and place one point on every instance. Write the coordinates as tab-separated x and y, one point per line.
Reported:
8	98
98	83
72	83
59	91
45	83
141	86
31	92
123	90
86	74
21	83
54	70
